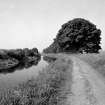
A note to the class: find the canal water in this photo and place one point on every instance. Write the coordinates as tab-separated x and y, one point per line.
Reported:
10	78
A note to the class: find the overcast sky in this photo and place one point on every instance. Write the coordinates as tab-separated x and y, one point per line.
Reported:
34	23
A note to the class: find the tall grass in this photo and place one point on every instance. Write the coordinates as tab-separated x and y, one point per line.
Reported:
49	88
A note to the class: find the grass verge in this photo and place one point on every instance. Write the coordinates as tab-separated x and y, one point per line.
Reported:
49	88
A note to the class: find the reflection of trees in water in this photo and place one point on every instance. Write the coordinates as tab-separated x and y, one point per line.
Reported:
49	59
22	65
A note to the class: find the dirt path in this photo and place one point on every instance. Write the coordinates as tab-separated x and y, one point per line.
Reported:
88	87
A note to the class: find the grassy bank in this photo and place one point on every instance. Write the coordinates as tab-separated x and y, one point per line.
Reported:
97	61
49	88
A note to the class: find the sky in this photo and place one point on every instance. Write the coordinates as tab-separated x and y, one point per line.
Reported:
35	23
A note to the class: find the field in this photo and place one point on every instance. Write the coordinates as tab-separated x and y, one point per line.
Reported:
50	87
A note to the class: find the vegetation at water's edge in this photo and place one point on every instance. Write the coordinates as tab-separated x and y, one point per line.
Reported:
76	36
49	88
13	57
49	59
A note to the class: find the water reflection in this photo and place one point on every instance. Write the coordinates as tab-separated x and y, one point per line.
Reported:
23	65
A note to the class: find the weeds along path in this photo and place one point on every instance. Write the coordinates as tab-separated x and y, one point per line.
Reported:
88	86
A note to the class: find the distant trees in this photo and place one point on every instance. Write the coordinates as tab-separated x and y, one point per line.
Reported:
17	54
20	54
3	54
76	36
19	58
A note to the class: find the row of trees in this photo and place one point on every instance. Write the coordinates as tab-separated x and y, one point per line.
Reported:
19	54
76	36
18	58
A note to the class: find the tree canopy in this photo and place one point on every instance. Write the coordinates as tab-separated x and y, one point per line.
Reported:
76	36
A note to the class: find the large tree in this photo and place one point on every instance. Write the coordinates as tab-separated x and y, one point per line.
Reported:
77	35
